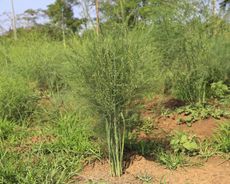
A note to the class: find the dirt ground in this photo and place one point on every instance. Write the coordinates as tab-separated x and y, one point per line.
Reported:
164	125
214	171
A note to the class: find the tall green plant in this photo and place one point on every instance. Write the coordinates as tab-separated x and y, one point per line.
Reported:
113	71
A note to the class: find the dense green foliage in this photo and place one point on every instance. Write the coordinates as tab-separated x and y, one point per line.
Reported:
59	105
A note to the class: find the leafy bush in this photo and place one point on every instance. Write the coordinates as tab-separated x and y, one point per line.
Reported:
17	99
184	143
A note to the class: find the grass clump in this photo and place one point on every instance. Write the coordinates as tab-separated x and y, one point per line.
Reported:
6	129
171	160
75	132
221	138
17	99
38	167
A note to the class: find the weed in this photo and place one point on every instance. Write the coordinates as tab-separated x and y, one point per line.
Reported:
171	160
206	149
163	180
196	112
219	89
74	131
221	138
147	148
70	144
6	129
147	126
184	143
145	178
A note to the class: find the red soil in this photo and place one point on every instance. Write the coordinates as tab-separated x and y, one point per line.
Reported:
215	170
166	125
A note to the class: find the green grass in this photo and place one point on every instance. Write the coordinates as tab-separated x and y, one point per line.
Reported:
171	160
221	138
46	153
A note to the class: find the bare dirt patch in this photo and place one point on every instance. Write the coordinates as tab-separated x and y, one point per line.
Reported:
164	125
215	170
202	128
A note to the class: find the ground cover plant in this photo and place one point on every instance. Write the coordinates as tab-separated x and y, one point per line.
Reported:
72	97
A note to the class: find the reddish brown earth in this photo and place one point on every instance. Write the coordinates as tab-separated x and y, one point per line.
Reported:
164	126
214	171
202	128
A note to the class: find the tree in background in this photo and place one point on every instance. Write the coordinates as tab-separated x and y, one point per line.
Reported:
61	13
224	3
122	11
30	17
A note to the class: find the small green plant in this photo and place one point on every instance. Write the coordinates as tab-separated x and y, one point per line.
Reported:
143	147
221	138
147	126
206	149
219	90
184	143
145	178
171	160
196	112
163	180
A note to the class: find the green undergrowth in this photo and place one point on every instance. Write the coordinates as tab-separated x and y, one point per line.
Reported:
50	153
